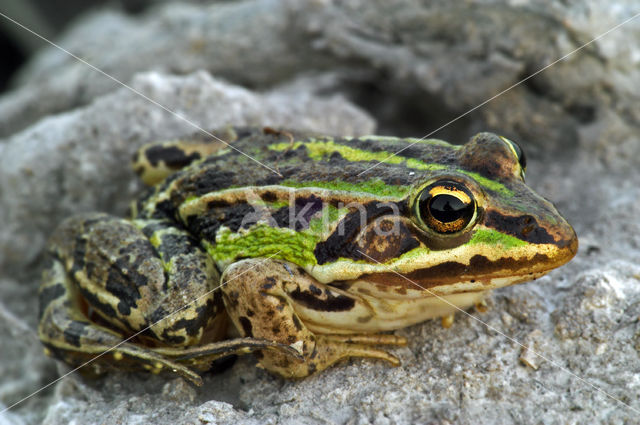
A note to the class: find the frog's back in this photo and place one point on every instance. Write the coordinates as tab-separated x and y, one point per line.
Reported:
302	160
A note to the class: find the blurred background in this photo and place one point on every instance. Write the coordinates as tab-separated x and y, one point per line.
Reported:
49	19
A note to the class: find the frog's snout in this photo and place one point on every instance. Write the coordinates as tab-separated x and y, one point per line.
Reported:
567	245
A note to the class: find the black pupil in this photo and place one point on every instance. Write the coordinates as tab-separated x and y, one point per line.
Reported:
448	208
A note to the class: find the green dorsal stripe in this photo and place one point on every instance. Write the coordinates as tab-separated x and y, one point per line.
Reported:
319	150
488	183
373	186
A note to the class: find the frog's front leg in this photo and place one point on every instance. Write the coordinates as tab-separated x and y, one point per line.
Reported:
262	296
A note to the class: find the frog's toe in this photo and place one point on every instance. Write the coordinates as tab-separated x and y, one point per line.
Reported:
332	348
202	356
370	339
447	321
482	306
155	363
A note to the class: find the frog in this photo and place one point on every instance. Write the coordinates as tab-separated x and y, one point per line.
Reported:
302	248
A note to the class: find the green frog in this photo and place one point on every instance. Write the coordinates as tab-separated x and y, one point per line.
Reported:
304	266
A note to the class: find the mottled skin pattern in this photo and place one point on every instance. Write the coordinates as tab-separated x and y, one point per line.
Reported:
107	281
303	265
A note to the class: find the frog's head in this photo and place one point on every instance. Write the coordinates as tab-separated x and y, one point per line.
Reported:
473	224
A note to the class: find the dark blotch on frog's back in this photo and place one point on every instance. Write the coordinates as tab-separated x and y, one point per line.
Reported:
212	179
168	338
232	216
164	209
95	302
269	197
172	156
173	245
303	209
79	253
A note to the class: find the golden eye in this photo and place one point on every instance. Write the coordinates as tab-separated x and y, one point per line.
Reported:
445	207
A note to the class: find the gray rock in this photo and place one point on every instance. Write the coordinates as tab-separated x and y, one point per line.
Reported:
69	133
415	66
53	163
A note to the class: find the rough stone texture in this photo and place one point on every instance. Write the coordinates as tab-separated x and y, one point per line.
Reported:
416	65
60	165
69	132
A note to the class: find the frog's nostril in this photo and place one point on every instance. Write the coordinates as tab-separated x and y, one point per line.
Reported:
527	229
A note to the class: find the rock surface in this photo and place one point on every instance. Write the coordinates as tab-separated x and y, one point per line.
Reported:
336	67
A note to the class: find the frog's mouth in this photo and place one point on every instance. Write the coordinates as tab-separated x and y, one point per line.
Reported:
394	285
478	274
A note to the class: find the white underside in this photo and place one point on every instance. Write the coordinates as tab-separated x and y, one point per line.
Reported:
377	311
377	314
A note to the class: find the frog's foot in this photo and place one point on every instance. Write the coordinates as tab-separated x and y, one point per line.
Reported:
331	348
263	298
482	307
447	321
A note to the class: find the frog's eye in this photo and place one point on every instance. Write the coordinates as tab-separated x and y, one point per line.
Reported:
445	207
518	152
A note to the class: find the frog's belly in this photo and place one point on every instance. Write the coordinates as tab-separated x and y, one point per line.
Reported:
374	314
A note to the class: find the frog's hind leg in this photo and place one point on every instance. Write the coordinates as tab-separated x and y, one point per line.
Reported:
110	278
260	296
68	335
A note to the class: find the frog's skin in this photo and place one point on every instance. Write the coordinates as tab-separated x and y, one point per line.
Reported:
308	265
